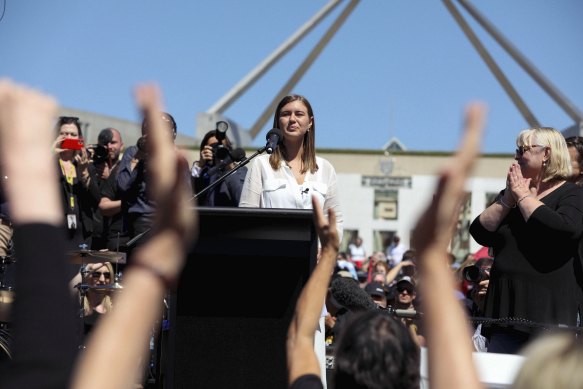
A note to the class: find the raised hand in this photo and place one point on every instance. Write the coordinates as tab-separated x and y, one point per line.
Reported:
434	228
154	267
26	136
176	221
431	238
56	147
519	186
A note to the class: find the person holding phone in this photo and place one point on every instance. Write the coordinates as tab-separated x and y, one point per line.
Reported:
79	190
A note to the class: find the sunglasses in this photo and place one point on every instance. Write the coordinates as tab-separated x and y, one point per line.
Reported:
98	274
520	150
401	289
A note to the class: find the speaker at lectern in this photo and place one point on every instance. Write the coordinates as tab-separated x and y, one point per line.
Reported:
230	312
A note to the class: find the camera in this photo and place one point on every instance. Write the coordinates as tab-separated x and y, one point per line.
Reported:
220	152
99	153
474	273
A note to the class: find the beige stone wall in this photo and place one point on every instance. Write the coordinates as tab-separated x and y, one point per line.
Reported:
405	164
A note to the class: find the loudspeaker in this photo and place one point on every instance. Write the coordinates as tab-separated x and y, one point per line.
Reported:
230	312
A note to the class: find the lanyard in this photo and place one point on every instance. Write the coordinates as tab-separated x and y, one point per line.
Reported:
70	178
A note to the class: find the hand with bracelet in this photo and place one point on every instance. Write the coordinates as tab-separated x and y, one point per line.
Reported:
506	199
154	267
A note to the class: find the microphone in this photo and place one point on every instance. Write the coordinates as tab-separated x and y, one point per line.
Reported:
305	191
238	154
346	292
274	138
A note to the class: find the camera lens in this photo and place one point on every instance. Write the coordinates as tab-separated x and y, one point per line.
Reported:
101	152
472	274
221	152
221	130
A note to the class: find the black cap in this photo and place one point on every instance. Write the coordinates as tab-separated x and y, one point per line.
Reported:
406	280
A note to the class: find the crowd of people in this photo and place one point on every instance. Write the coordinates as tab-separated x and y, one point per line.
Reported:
375	314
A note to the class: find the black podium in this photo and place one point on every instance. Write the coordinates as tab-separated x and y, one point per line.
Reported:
229	315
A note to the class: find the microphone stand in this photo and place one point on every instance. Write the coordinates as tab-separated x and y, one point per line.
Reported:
136	238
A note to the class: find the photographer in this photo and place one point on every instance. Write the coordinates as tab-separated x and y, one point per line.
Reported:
478	277
137	207
404	294
105	157
217	158
105	154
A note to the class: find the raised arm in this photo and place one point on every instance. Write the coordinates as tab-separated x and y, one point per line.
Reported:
26	154
394	272
301	358
447	345
43	350
155	266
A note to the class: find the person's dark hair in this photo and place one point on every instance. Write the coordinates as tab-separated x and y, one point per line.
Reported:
350	295
105	136
309	153
484	261
69	120
167	118
375	351
226	142
409	255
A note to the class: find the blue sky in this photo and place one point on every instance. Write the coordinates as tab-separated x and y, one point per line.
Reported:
397	68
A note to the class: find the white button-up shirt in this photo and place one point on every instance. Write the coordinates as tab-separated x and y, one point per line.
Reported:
268	188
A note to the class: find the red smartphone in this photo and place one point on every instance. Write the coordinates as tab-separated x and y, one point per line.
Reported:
72	144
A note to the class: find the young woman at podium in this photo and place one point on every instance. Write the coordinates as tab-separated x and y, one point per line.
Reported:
291	174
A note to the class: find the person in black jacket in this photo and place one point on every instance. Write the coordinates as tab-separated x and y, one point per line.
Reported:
217	157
